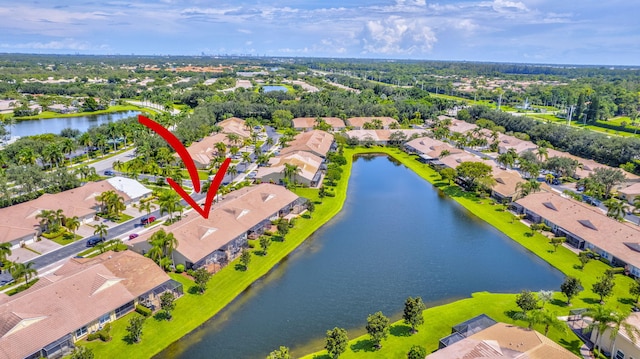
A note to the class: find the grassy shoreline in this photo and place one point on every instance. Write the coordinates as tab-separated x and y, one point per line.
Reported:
49	114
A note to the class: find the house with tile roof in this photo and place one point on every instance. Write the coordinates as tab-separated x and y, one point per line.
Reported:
622	344
217	240
235	125
502	340
585	227
382	137
18	223
308	123
357	123
309	165
77	299
431	150
316	142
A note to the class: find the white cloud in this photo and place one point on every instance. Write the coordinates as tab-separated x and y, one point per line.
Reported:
398	35
66	44
507	6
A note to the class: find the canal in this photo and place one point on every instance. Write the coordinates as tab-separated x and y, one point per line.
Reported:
57	124
396	236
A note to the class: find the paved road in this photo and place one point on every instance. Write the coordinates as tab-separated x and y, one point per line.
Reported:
107	163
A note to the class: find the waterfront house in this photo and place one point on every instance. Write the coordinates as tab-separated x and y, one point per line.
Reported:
585	227
357	123
309	165
217	240
316	142
308	123
623	344
78	299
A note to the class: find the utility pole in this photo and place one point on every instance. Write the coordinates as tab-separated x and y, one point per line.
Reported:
570	115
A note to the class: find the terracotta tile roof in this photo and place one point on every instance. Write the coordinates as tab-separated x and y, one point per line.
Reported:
503	340
203	151
316	141
309	122
308	163
461	126
632	190
381	135
507	142
237	213
506	182
67	302
431	147
581	219
360	121
234	125
20	219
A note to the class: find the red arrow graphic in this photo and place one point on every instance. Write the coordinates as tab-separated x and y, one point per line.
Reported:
175	143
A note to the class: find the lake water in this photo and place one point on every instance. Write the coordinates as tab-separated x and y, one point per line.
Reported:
274	88
57	124
395	237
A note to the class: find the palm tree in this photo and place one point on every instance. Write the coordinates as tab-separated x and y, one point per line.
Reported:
233	138
246	157
269	142
232	171
290	171
26	156
542	152
20	269
5	251
221	148
549	320
636	208
620	321
169	203
72	224
601	319
101	230
615	208
46	219
146	207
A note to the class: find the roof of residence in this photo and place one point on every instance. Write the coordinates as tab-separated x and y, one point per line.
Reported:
204	150
503	340
237	213
588	223
632	190
129	186
587	166
460	126
382	135
360	121
234	125
506	182
310	122
455	159
432	147
315	141
66	300
307	162
20	219
506	142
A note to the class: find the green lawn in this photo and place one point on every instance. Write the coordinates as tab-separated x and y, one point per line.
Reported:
66	238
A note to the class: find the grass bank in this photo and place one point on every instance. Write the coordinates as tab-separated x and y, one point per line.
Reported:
440	319
111	109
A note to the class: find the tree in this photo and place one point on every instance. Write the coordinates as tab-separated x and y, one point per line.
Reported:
135	328
571	287
448	174
604	286
615	208
291	171
545	296
378	328
245	258
563	166
634	289
283	227
101	230
265	242
169	202
475	174
201	277
608	178
584	257
282	353
322	192
27	271
167	303
543	317
412	313
417	352
557	241
72	224
526	301
336	342
80	352
5	251
311	207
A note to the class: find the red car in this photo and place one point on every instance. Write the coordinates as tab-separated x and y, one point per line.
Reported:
133	235
145	220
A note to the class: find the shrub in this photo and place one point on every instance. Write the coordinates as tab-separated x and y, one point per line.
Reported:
180	268
616	270
144	311
191	272
92	337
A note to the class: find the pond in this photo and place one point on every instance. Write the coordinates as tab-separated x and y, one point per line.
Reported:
57	124
396	236
274	88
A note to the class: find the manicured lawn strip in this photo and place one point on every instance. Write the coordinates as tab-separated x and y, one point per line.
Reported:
66	238
440	319
193	310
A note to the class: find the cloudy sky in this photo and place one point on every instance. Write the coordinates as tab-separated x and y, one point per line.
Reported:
534	31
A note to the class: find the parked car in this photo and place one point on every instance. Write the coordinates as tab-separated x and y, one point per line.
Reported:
109	173
147	220
133	235
93	241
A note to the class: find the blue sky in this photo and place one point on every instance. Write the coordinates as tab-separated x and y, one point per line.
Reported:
535	31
